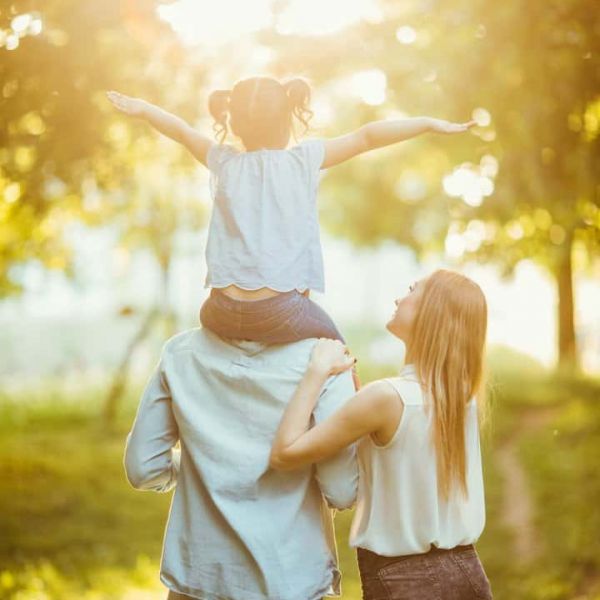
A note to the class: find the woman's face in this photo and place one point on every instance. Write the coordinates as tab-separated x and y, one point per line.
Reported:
406	310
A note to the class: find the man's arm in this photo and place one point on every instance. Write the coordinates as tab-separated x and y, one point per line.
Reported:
168	124
383	133
337	476
151	459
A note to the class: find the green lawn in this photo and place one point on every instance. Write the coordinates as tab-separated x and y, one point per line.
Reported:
71	527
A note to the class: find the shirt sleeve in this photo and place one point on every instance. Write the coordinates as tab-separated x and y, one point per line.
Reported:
151	460
337	476
217	154
314	153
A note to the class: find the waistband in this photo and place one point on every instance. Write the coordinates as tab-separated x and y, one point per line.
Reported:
254	305
432	550
436	550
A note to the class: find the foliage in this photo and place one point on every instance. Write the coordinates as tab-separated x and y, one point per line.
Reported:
66	156
73	528
524	185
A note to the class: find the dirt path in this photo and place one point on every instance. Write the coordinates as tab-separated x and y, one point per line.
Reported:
518	510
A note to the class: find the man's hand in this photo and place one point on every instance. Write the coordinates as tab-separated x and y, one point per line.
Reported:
133	107
330	357
441	126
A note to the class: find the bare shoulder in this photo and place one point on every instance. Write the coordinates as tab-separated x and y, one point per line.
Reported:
389	409
382	387
381	394
370	409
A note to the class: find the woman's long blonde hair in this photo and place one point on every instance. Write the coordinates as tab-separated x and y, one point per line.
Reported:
446	346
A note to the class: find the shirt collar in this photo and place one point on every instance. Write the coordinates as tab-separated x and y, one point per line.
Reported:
248	347
408	369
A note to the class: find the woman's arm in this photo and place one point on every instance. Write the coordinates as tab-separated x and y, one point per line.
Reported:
166	123
383	133
296	445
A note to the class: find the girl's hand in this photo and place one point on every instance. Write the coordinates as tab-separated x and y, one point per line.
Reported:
330	357
441	126
134	107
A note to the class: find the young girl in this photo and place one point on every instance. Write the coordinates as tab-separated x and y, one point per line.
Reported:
420	501
263	252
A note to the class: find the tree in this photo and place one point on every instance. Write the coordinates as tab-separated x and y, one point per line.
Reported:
538	73
58	133
67	155
525	185
161	202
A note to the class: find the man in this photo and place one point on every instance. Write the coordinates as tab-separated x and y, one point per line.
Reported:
238	530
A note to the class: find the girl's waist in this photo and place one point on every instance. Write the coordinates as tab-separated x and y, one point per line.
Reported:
238	293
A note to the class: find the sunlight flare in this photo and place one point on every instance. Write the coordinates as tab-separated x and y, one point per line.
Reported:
199	22
370	86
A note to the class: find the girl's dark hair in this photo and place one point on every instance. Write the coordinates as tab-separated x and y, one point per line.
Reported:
259	110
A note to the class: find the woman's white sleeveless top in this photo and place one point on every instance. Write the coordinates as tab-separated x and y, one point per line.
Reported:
398	509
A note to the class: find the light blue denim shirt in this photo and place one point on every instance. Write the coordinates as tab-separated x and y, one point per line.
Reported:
238	530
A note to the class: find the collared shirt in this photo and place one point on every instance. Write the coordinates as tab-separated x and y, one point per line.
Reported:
264	227
238	530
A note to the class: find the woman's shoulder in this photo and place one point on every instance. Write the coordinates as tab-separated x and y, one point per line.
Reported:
376	397
406	386
380	388
382	394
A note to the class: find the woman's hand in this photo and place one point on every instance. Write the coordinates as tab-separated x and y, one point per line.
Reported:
441	126
133	107
330	357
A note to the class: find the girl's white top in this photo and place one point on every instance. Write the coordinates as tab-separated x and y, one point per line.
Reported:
264	229
398	510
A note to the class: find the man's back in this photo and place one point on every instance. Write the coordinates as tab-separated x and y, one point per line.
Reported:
238	530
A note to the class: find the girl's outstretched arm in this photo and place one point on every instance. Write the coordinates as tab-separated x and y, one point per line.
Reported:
368	411
383	133
168	124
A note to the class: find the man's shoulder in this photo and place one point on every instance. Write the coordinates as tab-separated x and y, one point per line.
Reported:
299	350
201	339
190	339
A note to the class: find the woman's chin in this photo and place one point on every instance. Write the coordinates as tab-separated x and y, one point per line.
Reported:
394	330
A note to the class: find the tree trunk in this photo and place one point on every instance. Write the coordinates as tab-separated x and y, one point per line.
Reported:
168	314
567	343
111	404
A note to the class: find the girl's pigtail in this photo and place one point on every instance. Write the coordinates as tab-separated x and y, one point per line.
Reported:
298	92
218	106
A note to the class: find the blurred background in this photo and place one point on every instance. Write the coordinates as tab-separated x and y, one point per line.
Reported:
103	227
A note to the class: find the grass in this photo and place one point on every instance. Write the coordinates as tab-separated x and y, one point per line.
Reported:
562	462
71	527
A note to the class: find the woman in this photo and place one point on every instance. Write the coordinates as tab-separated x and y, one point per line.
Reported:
420	501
